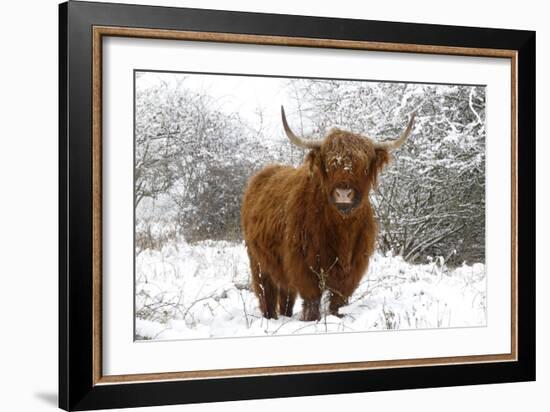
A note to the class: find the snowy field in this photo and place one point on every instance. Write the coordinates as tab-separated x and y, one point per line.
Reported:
202	290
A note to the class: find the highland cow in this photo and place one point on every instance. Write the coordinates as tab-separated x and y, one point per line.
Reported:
311	229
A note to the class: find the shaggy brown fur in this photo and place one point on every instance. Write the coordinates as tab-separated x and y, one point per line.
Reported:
299	241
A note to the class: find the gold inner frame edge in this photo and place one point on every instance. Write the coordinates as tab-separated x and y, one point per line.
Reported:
98	32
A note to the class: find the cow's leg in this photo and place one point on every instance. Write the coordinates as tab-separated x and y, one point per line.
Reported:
287	297
268	297
266	291
341	292
309	290
304	281
263	286
337	300
310	309
311	303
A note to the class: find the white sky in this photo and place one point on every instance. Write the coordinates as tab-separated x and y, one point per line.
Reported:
241	94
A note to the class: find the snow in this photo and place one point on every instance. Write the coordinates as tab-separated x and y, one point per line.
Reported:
201	290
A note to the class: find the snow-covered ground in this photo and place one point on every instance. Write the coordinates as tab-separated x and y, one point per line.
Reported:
202	290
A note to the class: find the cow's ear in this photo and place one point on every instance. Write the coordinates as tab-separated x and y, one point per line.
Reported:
313	160
382	158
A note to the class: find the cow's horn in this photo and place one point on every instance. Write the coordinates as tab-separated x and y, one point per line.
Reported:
298	141
394	144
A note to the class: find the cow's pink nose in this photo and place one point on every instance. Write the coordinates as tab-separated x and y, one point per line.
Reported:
343	195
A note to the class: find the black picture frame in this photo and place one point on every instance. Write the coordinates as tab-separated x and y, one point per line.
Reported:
77	390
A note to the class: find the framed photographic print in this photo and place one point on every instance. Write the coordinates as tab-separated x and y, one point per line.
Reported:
256	205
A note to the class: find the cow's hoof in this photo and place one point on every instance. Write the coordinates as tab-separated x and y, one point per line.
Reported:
269	315
336	313
309	315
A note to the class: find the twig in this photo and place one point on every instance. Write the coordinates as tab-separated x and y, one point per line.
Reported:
323	276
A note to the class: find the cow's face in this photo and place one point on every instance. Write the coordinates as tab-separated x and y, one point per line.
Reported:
348	166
